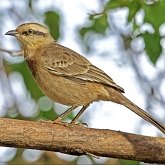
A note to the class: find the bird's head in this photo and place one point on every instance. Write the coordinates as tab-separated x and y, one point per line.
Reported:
31	34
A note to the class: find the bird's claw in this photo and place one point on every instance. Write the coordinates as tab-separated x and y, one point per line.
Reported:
60	122
79	124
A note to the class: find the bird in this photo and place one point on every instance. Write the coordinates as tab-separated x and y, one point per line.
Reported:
67	77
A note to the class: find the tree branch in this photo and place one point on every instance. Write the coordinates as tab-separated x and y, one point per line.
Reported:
12	53
78	140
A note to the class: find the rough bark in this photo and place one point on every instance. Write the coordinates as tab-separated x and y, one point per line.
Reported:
79	140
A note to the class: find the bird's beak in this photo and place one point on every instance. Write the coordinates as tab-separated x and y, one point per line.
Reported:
12	33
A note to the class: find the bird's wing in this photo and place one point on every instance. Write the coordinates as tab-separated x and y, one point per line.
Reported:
65	62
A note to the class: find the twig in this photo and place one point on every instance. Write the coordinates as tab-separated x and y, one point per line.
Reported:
12	53
79	140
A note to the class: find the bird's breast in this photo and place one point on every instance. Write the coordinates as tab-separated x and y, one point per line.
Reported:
33	66
63	90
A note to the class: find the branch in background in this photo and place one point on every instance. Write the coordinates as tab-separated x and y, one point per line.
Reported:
78	140
12	53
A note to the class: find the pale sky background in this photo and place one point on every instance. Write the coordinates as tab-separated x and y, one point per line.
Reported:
103	115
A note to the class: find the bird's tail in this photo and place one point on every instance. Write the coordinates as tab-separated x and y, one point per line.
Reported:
127	103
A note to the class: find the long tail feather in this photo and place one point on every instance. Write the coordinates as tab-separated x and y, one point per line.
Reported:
140	112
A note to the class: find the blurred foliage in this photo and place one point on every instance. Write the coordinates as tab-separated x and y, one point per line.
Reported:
152	45
54	25
47	158
29	80
153	15
98	24
131	162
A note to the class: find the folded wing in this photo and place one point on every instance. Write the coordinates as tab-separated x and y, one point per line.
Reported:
67	63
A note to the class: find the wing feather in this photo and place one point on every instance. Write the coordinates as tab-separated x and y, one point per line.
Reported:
67	63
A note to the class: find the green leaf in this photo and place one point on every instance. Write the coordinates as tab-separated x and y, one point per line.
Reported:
52	19
49	115
134	7
100	24
113	4
83	31
152	45
154	14
129	162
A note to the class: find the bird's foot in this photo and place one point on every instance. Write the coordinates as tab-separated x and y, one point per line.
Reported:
60	122
79	124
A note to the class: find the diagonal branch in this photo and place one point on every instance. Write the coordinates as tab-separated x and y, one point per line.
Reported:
12	53
78	140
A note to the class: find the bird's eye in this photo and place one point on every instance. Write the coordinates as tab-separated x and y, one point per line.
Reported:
30	31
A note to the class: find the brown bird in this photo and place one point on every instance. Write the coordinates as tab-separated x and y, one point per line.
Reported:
67	77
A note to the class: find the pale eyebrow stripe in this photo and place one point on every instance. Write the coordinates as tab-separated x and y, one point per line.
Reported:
39	33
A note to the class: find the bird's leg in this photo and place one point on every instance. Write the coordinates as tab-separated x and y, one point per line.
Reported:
59	118
79	114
